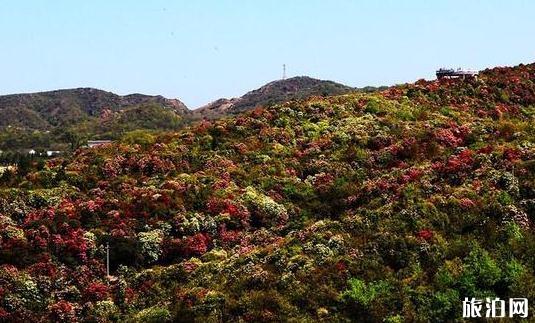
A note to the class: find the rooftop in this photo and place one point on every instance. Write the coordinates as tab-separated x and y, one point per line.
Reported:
455	73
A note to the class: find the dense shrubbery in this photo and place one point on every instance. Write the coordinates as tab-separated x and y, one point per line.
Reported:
136	120
390	206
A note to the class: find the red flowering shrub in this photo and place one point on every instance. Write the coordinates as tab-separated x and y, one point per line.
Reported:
43	268
227	206
425	234
96	291
228	237
154	165
511	154
195	245
453	136
485	150
70	244
341	267
113	167
467	203
4	315
61	311
323	182
411	175
456	164
448	138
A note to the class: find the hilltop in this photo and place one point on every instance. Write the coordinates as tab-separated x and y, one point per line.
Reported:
295	88
390	206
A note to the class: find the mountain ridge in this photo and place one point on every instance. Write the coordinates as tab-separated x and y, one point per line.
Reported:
49	109
278	91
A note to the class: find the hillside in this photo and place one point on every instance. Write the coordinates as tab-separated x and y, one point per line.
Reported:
49	120
279	91
46	110
390	206
28	118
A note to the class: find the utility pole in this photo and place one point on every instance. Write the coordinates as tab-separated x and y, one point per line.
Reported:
108	260
283	71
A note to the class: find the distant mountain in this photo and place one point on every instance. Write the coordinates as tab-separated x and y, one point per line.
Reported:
300	87
47	110
55	119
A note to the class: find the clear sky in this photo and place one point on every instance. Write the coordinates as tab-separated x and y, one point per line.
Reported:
200	50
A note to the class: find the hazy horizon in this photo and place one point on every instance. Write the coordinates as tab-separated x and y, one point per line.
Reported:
199	52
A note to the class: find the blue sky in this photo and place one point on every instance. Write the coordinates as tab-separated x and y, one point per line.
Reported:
198	51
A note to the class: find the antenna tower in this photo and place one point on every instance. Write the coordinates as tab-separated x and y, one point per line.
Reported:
283	71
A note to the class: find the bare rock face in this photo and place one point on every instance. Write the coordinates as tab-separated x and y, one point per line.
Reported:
216	108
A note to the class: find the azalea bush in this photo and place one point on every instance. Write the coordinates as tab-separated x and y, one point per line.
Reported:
390	206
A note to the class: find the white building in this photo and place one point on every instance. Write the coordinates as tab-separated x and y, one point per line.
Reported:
94	143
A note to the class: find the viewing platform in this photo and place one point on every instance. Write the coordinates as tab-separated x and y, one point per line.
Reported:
450	73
